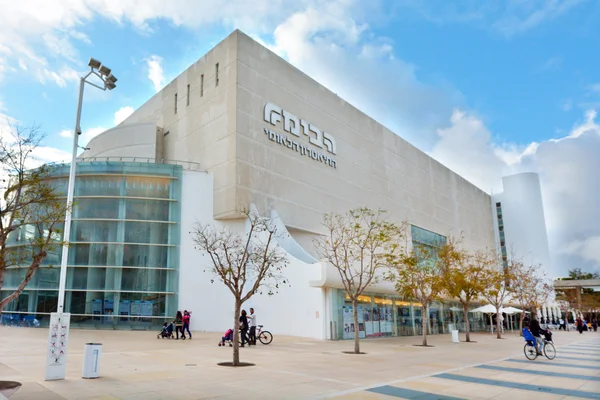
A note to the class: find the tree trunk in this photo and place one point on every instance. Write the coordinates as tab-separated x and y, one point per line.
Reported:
425	324
37	260
498	324
356	327
236	332
521	319
467	325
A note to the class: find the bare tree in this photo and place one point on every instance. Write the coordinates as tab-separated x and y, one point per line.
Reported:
359	244
464	274
419	275
246	263
530	287
497	289
31	210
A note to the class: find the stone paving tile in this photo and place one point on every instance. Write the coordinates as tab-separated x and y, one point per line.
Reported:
516	394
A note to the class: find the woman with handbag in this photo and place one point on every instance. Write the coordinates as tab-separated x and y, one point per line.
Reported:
244	327
178	325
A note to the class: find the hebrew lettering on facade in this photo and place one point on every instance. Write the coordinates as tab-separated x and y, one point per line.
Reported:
329	141
291	123
272	113
317	140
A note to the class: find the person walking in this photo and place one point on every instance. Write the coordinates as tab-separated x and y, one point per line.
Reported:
252	323
579	324
562	325
186	323
244	327
178	322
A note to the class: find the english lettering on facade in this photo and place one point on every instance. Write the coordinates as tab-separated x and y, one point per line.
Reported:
294	125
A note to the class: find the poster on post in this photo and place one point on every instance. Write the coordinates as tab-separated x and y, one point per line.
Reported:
58	340
146	310
136	308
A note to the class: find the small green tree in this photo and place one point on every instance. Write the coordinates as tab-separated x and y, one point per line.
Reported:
246	263
497	280
31	209
359	244
464	274
530	287
418	275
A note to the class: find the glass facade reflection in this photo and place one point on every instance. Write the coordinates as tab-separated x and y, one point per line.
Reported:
387	315
123	257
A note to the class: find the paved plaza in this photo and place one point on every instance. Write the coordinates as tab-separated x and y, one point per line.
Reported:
136	365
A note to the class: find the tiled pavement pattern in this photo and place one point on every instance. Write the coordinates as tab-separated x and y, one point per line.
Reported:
574	373
137	366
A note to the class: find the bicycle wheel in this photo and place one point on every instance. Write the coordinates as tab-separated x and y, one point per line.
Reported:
530	351
265	337
549	351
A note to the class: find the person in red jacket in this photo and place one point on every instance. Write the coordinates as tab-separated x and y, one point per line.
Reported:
186	323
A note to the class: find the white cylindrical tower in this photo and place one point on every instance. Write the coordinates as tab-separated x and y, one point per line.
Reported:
521	222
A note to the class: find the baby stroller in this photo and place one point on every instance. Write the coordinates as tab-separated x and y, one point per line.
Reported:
228	338
166	332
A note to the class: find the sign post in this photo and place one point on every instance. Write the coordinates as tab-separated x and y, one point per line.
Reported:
58	340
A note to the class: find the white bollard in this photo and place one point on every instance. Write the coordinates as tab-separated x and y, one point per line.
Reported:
91	360
455	336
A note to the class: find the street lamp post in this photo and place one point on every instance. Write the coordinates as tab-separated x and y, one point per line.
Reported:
59	321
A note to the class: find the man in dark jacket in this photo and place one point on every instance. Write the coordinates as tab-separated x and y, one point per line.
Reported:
536	331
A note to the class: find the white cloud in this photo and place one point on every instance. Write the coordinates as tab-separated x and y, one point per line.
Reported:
155	72
85	137
334	46
588	249
122	113
508	18
568	169
595	88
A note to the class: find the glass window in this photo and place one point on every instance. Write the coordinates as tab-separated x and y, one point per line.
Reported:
47	301
95	231
404	318
141	186
144	280
425	237
147	232
98	185
153	210
96	208
145	256
99	254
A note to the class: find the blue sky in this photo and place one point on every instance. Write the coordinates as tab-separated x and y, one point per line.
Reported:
513	83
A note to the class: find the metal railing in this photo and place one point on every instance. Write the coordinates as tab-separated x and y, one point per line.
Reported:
188	165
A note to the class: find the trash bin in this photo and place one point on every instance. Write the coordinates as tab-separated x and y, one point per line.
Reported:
91	360
455	336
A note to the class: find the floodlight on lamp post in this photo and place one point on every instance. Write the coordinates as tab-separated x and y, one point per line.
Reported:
59	323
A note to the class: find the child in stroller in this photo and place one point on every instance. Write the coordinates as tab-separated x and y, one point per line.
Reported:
227	338
166	332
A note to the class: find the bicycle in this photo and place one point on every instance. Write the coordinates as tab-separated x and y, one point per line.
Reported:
530	349
265	337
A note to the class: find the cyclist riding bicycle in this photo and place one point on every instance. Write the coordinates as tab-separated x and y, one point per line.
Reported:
536	331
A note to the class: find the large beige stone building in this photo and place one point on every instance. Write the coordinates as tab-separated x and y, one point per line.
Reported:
272	136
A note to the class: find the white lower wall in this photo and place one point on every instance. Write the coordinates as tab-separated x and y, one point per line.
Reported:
298	308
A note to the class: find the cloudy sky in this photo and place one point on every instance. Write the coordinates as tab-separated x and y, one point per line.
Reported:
488	88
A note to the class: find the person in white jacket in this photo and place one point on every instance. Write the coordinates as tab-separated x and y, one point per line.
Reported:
252	323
